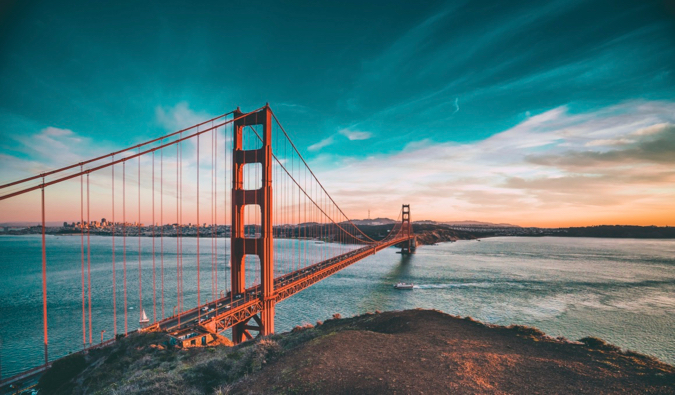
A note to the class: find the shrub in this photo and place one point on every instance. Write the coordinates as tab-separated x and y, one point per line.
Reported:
337	316
222	390
234	355
598	344
526	330
267	347
299	328
56	379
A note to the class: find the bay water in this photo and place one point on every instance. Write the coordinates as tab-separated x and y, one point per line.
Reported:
620	290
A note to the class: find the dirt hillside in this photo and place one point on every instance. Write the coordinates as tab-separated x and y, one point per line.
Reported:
400	352
421	351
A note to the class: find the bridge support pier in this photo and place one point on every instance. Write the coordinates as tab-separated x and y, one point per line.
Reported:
261	246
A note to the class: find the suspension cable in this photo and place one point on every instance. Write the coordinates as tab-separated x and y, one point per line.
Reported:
48	173
313	175
94	169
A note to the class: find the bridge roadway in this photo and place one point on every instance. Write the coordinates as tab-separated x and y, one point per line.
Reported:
230	310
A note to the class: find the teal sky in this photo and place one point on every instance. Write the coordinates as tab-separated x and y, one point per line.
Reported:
444	89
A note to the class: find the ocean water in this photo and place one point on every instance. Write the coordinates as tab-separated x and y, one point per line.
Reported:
620	290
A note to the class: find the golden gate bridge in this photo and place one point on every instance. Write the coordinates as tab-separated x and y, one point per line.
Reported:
260	188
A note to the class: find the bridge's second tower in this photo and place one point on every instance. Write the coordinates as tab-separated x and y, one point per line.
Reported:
262	246
406	229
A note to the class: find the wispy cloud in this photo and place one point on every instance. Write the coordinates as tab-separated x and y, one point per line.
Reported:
179	116
51	147
355	134
351	135
655	148
517	64
540	172
321	144
292	106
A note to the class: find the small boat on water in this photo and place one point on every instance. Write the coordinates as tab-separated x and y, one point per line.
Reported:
144	318
403	286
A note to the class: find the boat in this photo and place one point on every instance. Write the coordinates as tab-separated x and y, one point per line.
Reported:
144	318
403	286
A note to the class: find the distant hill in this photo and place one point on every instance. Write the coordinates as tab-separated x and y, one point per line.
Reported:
372	222
479	223
467	223
387	221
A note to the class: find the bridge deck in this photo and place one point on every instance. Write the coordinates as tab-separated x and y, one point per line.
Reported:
223	313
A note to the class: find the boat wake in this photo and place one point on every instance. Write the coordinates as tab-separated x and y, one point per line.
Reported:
484	284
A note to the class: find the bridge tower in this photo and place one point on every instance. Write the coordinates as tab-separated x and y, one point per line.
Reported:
261	246
406	228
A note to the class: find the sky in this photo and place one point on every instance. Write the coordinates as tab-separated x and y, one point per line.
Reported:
557	113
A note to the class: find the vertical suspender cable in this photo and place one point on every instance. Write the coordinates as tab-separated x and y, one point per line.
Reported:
198	290
182	282
113	252
212	187
177	234
124	242
84	314
140	283
298	226
154	271
228	191
161	219
214	214
306	220
44	275
88	261
285	201
228	188
181	234
257	208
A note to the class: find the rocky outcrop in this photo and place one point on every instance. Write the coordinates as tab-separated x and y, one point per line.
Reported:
430	235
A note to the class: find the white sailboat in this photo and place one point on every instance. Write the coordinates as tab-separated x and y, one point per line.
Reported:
144	318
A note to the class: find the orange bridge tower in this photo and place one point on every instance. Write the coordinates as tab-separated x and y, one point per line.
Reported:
262	246
409	246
